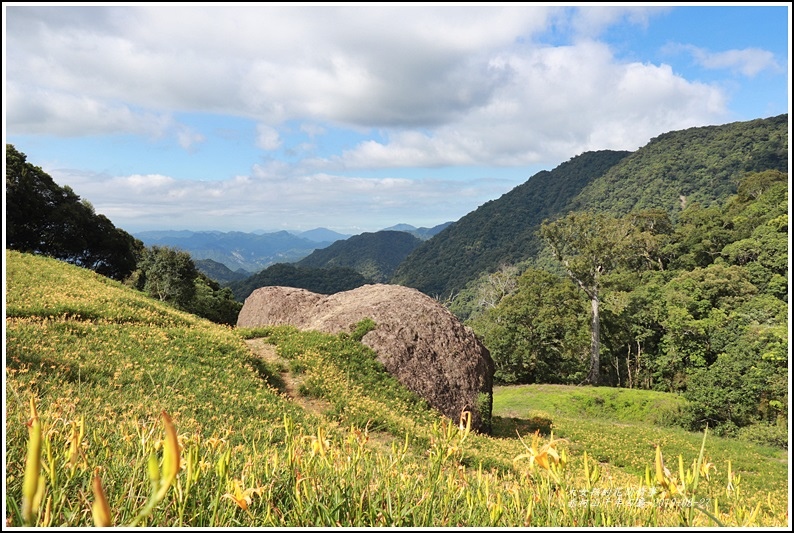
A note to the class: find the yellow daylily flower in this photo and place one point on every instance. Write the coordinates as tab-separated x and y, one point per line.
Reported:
242	497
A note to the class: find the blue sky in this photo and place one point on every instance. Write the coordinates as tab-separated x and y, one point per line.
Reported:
356	118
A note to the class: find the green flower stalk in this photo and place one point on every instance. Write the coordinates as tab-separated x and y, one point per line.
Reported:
33	484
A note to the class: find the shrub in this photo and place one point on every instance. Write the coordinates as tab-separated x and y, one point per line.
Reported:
766	434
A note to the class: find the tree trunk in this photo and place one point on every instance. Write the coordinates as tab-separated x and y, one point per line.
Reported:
595	342
628	363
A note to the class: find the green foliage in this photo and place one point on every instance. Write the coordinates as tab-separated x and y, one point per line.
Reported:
320	280
362	328
709	319
538	334
593	245
213	302
775	434
170	275
44	218
219	272
373	255
696	165
500	231
167	274
671	173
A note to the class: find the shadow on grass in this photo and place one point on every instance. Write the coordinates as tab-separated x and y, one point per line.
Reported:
268	373
509	427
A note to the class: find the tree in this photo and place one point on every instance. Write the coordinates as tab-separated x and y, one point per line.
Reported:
44	218
167	274
590	245
214	302
537	334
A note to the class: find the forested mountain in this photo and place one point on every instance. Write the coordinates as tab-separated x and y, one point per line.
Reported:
319	280
422	233
678	168
220	272
696	305
235	249
675	169
502	230
373	255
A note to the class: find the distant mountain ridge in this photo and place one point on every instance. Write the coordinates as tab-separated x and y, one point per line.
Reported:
237	250
320	280
255	251
220	272
501	230
423	233
322	235
373	255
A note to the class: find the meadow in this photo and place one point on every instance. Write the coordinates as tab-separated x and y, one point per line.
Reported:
121	410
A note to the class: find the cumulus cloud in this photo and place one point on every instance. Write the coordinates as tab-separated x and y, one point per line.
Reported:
137	202
267	138
50	112
547	111
447	87
588	22
421	87
747	62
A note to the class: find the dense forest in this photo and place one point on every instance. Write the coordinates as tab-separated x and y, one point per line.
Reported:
696	306
374	255
320	280
501	230
697	165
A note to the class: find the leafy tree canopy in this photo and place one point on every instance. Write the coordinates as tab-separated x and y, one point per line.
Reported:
45	218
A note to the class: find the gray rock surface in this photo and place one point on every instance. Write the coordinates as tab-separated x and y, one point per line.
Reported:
416	338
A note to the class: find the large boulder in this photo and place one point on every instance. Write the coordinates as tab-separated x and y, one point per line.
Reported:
416	338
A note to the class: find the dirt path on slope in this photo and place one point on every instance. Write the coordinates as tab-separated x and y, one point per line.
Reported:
292	382
291	389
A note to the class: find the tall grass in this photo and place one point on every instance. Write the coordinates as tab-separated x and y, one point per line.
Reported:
107	390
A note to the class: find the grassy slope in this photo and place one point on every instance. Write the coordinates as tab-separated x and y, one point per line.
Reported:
617	426
83	345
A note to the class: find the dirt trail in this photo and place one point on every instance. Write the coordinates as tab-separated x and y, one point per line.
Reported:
292	382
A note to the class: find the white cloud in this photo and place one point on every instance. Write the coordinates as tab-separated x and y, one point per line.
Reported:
748	62
590	21
559	102
421	87
267	138
51	112
447	86
188	137
137	202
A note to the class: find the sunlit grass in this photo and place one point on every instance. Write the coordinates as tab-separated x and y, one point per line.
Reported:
624	437
103	365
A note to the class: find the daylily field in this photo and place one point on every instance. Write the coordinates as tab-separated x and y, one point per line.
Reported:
121	410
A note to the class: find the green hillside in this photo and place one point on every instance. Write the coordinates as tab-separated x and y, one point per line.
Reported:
373	255
502	230
679	168
319	280
700	165
150	416
219	272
